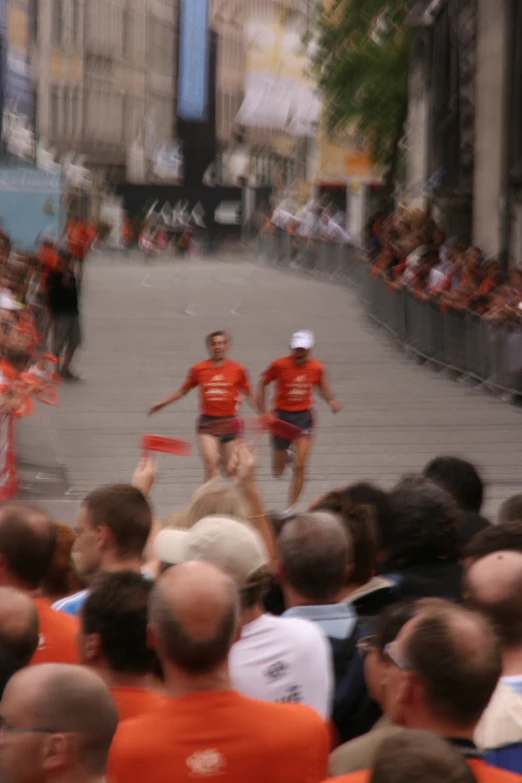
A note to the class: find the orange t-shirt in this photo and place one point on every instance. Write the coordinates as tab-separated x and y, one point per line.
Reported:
484	773
219	386
131	702
58	635
221	735
294	382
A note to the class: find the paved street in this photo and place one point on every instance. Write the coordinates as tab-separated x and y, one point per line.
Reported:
145	326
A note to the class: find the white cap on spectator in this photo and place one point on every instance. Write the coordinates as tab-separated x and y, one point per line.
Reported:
303	339
169	545
225	542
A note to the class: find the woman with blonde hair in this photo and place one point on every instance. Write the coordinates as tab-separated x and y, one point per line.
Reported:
214	497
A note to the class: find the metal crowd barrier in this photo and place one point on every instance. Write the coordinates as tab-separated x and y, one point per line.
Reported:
461	341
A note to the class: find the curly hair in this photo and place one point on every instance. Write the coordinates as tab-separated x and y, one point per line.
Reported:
425	524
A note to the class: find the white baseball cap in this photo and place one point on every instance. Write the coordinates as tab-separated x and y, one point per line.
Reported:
227	543
303	339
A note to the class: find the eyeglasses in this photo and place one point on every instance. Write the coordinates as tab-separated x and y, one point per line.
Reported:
365	645
8	728
396	657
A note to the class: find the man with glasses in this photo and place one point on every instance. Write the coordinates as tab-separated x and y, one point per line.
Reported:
359	752
57	722
446	664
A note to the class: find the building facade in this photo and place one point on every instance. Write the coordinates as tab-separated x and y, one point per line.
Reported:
275	156
104	75
464	137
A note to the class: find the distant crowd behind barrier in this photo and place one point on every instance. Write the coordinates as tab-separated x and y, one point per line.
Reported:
441	300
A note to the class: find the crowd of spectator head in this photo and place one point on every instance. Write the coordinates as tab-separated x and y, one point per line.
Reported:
410	251
376	636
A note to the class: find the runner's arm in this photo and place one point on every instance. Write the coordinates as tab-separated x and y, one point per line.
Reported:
174	397
327	393
266	379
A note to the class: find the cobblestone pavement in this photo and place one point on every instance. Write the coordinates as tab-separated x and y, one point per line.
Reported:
145	325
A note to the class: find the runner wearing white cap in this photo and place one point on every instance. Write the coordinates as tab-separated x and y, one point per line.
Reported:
295	377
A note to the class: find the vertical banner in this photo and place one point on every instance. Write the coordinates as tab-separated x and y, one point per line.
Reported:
193	60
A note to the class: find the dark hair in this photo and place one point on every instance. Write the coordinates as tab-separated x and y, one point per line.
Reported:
390	622
410	756
27	548
192	654
315	551
359	521
458	682
218	333
116	609
460	478
426	522
496	538
124	510
511	510
367	494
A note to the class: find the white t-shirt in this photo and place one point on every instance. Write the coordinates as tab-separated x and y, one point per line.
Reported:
284	659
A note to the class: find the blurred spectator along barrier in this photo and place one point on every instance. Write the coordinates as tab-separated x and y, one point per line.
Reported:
486	351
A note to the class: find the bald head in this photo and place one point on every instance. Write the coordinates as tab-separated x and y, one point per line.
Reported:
455	653
65	699
316	552
494	586
18	625
194	614
27	541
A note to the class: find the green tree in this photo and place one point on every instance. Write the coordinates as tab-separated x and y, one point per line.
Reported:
361	61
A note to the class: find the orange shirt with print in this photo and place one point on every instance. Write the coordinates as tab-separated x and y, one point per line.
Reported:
58	635
294	382
132	702
221	735
484	773
219	386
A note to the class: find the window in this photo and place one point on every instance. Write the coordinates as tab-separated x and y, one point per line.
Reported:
57	22
66	126
55	113
75	20
75	112
125	33
34	19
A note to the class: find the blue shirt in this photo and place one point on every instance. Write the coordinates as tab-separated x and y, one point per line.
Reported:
73	603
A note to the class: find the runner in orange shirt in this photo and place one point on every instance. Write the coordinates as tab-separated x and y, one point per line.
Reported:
221	382
296	376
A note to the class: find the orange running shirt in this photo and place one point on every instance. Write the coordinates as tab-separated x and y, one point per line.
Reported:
131	702
221	735
484	773
294	383
58	635
219	387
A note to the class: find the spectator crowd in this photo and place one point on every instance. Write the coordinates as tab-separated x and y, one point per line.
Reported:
40	316
375	637
410	251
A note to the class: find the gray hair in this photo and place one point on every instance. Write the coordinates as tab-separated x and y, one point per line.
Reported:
315	549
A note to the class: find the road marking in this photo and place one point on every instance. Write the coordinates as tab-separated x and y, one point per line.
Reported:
144	281
234	310
189	309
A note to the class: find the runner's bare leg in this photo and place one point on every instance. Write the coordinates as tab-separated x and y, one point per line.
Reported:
302	450
209	452
226	452
279	462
